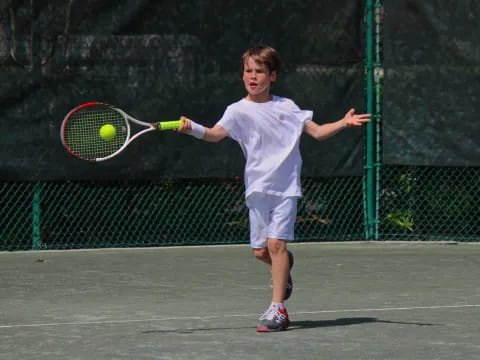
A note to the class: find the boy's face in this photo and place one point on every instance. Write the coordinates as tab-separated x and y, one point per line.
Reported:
257	79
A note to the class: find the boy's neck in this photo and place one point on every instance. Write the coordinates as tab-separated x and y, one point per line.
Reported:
259	98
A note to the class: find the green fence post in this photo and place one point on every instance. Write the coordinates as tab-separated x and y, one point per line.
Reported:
36	73
370	181
378	77
36	215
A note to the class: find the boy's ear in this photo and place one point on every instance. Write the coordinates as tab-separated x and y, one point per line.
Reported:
273	76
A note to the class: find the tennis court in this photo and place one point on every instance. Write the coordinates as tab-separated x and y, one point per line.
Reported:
361	300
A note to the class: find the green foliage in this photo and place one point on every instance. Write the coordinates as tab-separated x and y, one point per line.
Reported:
430	203
400	216
403	219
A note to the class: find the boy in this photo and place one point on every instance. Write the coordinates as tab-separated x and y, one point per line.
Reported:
268	129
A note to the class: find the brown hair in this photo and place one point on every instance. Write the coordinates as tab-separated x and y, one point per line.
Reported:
263	55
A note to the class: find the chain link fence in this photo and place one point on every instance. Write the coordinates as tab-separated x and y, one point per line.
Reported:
69	215
430	203
416	203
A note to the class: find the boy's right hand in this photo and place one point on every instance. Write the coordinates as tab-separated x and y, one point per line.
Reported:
186	125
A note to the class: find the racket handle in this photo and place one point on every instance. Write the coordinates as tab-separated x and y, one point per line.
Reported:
169	125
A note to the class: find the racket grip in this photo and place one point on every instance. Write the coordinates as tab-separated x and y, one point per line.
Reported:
169	125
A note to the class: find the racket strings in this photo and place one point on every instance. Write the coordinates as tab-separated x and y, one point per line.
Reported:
82	132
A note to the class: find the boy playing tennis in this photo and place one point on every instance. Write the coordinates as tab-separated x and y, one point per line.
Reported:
268	129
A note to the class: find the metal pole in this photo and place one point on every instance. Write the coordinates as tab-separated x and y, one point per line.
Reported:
36	215
369	190
379	75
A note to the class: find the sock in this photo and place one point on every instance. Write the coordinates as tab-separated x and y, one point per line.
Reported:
277	305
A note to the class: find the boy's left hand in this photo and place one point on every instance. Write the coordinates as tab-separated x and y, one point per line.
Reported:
352	119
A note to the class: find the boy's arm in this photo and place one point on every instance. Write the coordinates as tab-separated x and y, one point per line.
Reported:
214	134
322	132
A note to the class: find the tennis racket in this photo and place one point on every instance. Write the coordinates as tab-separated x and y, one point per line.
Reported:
97	131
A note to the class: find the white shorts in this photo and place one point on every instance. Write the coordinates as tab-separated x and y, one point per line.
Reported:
271	217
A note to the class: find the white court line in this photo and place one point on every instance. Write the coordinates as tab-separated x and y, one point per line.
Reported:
391	309
106	322
384	243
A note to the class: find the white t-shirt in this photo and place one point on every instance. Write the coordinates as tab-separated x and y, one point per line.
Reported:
269	135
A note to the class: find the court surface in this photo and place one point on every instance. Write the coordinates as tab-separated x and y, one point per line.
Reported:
360	300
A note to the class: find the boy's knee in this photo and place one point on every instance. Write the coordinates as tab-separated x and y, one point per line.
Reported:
277	246
261	254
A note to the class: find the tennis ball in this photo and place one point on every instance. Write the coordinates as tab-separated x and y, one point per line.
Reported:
108	132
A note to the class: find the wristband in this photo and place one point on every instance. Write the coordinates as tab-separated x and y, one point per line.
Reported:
197	131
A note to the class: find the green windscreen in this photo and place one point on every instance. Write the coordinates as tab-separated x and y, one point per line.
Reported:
159	60
432	82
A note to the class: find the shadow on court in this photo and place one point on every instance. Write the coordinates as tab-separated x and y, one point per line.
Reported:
311	324
295	325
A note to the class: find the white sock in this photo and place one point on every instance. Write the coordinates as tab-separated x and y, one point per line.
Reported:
277	305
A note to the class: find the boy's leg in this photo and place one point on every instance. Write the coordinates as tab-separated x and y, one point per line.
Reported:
272	221
281	230
280	268
271	218
263	254
289	289
276	316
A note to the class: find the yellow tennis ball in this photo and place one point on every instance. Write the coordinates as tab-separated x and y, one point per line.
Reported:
108	132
